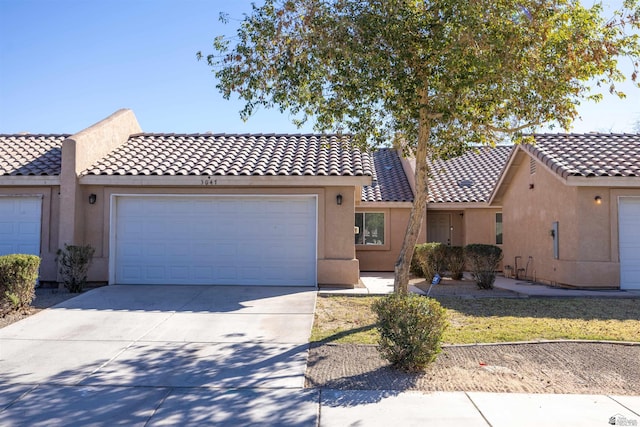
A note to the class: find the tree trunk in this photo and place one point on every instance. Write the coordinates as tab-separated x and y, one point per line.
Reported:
418	211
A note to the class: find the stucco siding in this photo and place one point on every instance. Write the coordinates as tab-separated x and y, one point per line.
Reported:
532	203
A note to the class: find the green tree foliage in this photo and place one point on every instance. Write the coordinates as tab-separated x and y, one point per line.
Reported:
436	77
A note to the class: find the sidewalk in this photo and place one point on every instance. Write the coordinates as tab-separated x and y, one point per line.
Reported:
383	408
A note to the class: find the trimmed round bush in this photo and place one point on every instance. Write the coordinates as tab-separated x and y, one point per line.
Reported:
411	328
18	275
431	259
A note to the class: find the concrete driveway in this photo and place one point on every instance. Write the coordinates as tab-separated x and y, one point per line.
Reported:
161	355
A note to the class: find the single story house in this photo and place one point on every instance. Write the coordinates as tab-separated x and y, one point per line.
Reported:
311	209
571	210
196	209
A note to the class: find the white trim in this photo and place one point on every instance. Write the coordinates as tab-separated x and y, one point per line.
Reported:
214	181
113	215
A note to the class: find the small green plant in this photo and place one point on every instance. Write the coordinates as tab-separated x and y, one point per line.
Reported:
18	275
483	260
455	261
411	328
73	263
432	259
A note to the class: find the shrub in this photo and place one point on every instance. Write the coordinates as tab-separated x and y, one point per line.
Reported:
455	261
483	260
415	268
73	263
18	275
411	328
431	257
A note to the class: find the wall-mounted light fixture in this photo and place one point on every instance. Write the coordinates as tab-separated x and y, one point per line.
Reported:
92	199
339	199
598	200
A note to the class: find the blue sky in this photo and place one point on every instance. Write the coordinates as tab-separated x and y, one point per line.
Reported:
66	64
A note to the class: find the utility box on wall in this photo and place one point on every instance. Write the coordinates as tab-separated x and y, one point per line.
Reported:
554	234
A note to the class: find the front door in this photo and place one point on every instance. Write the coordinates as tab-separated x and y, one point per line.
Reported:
439	228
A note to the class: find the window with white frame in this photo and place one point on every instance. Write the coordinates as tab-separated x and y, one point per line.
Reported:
369	228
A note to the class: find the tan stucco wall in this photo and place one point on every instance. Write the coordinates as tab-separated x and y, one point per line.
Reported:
80	151
480	226
337	264
384	257
587	237
48	227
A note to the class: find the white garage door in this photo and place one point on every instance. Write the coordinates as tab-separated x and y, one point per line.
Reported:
222	240
629	232
20	219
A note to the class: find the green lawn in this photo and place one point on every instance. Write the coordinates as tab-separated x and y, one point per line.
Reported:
349	319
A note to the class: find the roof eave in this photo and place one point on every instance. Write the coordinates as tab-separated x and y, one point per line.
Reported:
224	181
382	204
458	205
29	180
504	178
603	181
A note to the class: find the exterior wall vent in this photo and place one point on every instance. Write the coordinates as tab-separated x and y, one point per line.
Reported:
532	165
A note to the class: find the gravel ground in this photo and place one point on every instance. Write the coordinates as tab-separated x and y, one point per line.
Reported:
548	367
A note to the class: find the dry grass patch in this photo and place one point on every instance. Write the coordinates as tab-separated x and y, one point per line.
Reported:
349	319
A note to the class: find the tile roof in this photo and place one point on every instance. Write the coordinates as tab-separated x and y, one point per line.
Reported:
35	155
230	155
468	178
589	154
390	183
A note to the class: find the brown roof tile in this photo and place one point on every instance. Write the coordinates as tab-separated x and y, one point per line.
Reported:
389	180
468	178
589	154
23	155
223	154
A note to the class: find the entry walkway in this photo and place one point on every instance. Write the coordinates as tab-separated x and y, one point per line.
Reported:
381	283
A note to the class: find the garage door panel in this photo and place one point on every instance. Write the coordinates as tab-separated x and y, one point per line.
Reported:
629	242
20	224
216	240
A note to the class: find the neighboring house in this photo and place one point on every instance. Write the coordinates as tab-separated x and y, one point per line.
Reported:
29	197
571	210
